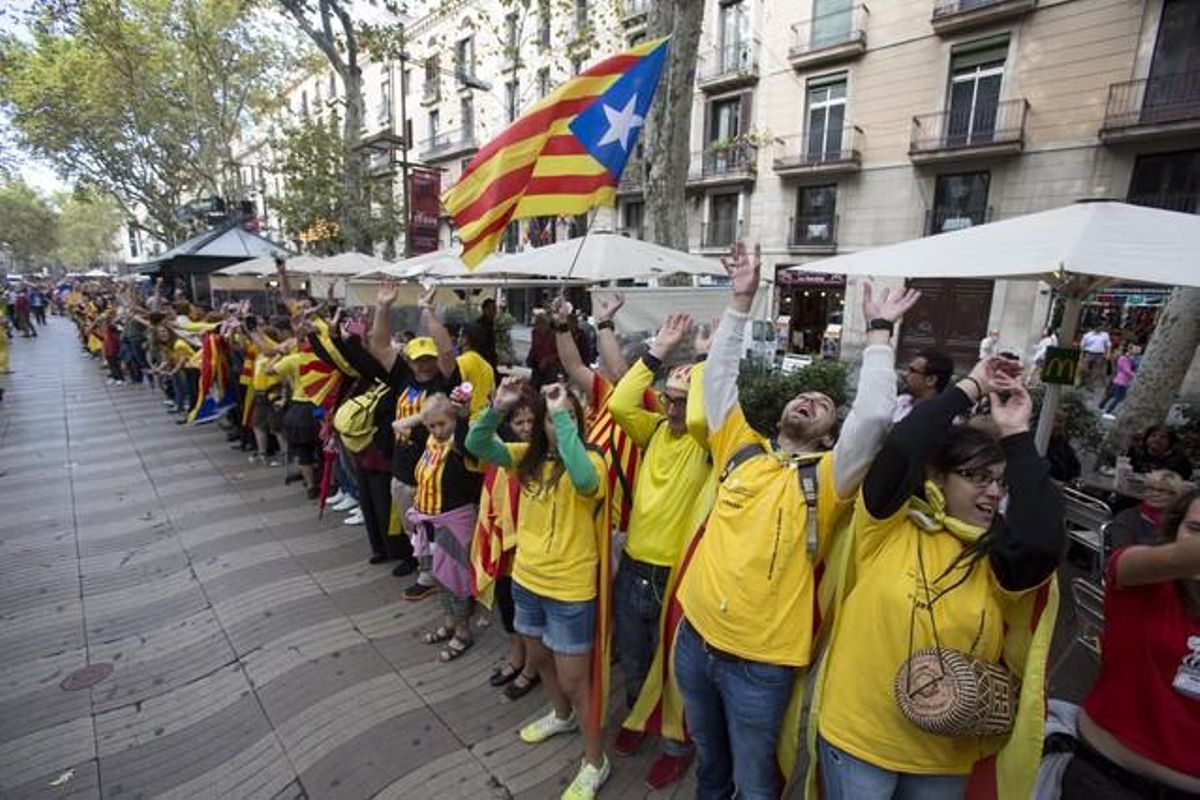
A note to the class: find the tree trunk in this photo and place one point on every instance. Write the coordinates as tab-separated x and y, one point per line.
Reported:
355	210
1165	364
667	151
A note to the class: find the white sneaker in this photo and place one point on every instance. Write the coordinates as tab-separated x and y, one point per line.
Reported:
274	462
337	498
355	518
543	728
588	781
346	504
109	382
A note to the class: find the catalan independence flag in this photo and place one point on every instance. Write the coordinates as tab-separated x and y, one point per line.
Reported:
563	156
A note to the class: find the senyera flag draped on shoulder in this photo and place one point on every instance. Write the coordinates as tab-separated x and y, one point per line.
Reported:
563	156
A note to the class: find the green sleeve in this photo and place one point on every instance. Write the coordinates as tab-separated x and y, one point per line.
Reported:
484	444
574	455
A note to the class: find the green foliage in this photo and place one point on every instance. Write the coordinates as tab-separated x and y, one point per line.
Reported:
764	393
1083	421
88	224
28	226
143	99
311	160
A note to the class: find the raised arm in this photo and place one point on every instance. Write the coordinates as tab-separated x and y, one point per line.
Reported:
285	286
482	441
612	363
578	373
871	414
379	339
899	468
1179	560
447	362
725	353
1027	550
571	449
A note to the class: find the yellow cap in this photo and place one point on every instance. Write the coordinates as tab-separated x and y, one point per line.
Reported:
420	347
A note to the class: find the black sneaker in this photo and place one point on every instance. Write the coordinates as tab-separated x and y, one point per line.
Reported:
407	566
419	591
377	558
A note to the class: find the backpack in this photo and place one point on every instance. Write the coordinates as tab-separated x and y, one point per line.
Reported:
806	475
355	419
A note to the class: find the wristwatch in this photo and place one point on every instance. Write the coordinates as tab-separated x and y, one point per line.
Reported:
561	327
605	325
881	324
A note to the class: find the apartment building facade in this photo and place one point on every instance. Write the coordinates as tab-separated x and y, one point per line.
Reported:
830	126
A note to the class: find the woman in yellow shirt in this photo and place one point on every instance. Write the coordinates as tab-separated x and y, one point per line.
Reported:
559	531
937	565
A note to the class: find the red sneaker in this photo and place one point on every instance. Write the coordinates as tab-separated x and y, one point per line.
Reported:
667	769
627	742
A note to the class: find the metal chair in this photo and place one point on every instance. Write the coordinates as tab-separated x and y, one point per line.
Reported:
1089	613
1086	519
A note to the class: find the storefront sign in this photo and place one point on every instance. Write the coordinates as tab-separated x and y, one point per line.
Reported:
793	277
1062	364
424	191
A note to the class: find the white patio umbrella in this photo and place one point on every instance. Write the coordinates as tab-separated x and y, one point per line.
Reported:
264	266
351	263
600	257
1076	248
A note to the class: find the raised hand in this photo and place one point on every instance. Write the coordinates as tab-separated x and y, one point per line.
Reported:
1011	405
673	331
609	307
428	295
702	341
889	305
387	293
508	393
556	397
744	274
561	310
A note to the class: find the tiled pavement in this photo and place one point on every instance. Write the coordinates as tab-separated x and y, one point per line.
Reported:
254	651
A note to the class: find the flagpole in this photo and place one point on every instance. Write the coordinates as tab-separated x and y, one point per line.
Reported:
579	250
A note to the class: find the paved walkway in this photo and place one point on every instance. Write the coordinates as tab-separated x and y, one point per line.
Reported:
254	653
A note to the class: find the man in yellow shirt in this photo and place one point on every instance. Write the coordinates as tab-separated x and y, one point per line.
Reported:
475	369
748	594
672	473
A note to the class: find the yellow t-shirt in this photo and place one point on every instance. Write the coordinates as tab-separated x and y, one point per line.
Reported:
557	532
264	381
478	372
185	353
673	469
749	588
858	710
290	367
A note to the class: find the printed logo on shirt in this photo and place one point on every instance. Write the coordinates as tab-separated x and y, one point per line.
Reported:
1187	678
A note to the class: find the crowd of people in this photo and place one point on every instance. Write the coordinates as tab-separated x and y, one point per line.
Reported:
891	572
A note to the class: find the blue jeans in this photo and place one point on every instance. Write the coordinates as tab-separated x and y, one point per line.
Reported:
844	777
734	711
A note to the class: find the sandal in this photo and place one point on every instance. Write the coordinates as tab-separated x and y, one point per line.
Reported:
439	635
455	649
505	673
515	691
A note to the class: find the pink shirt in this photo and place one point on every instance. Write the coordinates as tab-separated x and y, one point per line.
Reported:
1125	371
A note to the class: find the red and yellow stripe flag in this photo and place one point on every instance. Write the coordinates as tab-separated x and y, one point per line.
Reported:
563	156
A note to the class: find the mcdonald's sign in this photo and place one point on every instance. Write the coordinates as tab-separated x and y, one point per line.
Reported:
1061	366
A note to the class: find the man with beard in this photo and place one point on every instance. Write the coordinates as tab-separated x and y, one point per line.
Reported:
748	594
925	377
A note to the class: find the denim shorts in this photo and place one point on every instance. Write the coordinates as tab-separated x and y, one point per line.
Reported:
565	627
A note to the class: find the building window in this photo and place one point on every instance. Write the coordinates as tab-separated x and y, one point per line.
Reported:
542	230
464	60
826	118
816	216
466	110
512	101
1173	89
433	71
543	79
724	120
408	132
510	242
959	201
733	30
544	23
976	71
385	103
435	126
1167	180
577	226
633	215
720	229
831	22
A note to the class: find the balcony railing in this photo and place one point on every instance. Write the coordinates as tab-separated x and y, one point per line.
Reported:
829	37
1160	100
718	163
446	143
821	151
812	231
986	128
635	9
1188	203
433	90
719	234
955	15
734	62
944	220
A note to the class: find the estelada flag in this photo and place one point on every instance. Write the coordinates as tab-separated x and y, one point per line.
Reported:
564	156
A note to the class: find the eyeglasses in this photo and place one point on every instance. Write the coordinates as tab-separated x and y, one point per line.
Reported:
982	478
667	401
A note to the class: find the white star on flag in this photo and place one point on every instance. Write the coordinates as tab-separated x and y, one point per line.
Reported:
621	123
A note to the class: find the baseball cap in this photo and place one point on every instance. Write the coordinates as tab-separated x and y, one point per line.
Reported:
419	348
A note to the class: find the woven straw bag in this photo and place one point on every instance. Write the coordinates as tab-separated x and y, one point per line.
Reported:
949	693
